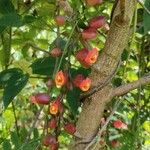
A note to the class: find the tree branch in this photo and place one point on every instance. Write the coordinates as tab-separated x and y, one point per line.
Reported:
105	68
35	47
121	90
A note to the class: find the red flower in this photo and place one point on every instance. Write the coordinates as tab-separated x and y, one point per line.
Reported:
92	56
40	98
54	146
52	124
85	84
70	128
82	82
60	20
115	143
93	2
118	124
48	140
78	79
97	22
87	58
56	107
60	79
55	52
81	55
89	34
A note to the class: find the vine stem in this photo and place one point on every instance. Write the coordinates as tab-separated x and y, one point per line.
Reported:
33	125
98	136
36	47
66	46
15	116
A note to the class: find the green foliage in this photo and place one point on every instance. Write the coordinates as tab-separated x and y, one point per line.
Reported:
73	100
6	7
146	17
13	81
43	66
6	145
25	68
13	20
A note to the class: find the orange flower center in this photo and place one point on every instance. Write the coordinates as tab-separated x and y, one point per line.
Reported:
60	79
53	109
93	59
85	87
85	84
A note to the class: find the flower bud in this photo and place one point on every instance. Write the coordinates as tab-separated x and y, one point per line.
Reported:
56	52
93	2
70	128
97	22
89	34
52	124
60	20
40	98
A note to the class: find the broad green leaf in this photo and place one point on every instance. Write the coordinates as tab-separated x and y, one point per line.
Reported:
35	133
82	71
146	17
117	81
73	100
28	19
8	118
12	19
23	133
13	86
15	140
6	6
6	145
43	66
7	74
2	28
125	55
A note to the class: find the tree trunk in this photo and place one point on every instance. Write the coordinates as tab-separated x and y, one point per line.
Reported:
93	106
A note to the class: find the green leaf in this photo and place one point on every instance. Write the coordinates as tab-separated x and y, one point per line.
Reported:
7	74
146	17
6	145
6	6
13	80
12	19
15	140
2	28
23	133
35	133
82	71
125	55
28	19
43	66
117	81
73	100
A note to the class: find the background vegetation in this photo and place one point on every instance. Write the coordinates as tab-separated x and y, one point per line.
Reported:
27	30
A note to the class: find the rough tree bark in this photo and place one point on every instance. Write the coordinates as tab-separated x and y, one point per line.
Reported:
103	70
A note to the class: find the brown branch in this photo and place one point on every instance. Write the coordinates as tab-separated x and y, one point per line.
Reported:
121	90
103	128
35	47
106	67
99	86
